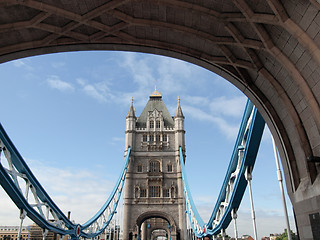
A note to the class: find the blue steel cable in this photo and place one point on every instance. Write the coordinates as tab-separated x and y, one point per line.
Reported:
12	188
189	200
250	134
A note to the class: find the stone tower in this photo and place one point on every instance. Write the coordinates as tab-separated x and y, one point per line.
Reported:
153	197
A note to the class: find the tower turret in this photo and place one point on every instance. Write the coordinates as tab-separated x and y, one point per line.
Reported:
130	126
179	128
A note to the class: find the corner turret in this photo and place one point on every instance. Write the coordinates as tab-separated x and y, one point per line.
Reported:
130	126
179	128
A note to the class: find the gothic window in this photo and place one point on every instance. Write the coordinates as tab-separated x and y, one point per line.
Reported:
139	168
154	166
157	138
157	124
166	193
145	138
165	137
151	124
169	167
143	193
151	138
154	191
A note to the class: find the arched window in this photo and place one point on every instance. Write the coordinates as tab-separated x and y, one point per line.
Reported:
165	137
145	138
169	167
151	124
158	124
151	138
154	166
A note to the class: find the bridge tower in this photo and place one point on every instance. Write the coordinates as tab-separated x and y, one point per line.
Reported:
153	197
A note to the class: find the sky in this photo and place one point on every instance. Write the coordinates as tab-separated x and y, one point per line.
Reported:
65	113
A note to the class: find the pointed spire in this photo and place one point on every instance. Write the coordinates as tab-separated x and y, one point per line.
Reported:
131	110
179	110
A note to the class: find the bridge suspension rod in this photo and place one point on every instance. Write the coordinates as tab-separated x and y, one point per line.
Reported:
37	204
234	185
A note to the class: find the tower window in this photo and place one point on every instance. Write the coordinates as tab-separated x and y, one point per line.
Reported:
169	167
154	166
157	124
145	138
151	138
165	137
154	191
158	138
151	124
143	193
166	193
139	168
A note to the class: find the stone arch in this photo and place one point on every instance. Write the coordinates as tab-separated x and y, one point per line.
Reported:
268	112
172	231
155	214
268	49
266	109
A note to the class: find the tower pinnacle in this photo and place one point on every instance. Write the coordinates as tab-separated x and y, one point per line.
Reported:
131	110
155	93
179	110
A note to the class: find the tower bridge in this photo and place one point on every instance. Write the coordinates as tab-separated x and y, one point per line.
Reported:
154	182
157	200
269	49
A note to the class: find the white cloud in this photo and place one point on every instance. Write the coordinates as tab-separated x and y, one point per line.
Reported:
80	191
170	76
19	63
98	90
175	77
9	213
197	100
229	130
141	70
233	107
56	83
81	81
116	140
94	92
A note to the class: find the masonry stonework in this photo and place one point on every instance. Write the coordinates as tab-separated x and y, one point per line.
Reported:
153	198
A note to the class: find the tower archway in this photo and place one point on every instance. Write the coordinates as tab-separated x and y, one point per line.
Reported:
149	223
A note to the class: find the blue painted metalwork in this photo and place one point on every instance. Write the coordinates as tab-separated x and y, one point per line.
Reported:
234	185
61	224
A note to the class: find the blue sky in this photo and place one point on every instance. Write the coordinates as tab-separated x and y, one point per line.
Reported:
66	115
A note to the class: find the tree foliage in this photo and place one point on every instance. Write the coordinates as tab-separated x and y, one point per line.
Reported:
284	236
